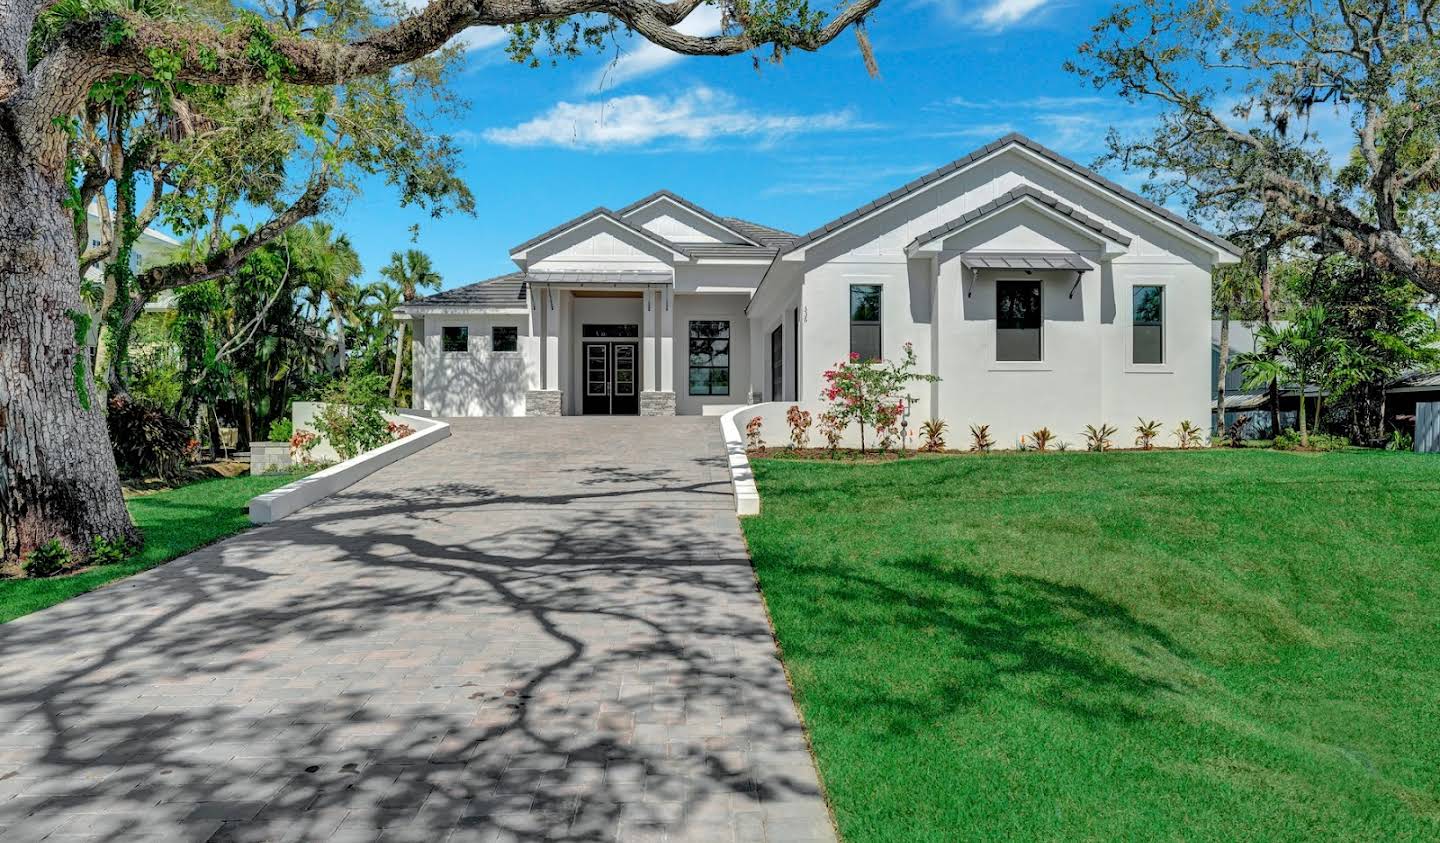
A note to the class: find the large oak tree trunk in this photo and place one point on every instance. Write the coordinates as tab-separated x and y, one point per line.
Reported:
57	472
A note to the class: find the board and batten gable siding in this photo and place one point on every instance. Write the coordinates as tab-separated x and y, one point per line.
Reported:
598	244
477	382
662	219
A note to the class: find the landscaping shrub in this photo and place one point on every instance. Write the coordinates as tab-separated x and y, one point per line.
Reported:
752	433
832	428
1098	438
103	551
1145	433
301	444
281	430
799	426
934	432
870	392
1042	438
1400	440
48	559
352	419
980	440
147	441
1290	441
1235	433
1188	435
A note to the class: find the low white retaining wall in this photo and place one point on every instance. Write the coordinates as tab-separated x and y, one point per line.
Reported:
742	479
302	418
275	505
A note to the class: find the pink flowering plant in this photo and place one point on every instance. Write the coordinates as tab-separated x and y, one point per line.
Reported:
871	394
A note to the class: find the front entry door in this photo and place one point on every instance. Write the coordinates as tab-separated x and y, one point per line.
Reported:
610	378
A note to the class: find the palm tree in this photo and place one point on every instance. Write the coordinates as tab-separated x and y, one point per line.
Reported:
330	269
1299	353
411	271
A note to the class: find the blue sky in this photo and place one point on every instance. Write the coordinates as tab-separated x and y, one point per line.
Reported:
792	145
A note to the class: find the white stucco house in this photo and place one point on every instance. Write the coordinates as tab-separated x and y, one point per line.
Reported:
1041	294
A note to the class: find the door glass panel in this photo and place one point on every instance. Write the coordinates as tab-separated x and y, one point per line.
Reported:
624	370
595	370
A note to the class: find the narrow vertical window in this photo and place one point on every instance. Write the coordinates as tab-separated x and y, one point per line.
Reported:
865	321
709	357
1148	324
777	363
1018	323
454	338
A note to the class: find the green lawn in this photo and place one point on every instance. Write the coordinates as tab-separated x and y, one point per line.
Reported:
1215	645
175	522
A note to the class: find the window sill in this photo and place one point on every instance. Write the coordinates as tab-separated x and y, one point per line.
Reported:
1020	366
1149	369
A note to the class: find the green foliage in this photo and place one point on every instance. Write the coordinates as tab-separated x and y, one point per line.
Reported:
1289	440
1098	438
1400	440
933	432
147	441
281	430
105	551
48	559
1145	434
352	420
871	392
81	335
1189	435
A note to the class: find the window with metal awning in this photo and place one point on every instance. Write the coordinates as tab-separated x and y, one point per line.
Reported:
1030	262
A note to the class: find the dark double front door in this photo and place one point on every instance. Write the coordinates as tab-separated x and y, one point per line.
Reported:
611	373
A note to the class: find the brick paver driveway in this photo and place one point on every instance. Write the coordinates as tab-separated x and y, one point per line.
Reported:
539	628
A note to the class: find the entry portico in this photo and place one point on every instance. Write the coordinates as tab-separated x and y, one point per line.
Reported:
605	342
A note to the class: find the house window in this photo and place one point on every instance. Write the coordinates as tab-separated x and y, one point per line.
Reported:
710	357
504	338
777	363
1148	324
865	321
454	338
1017	320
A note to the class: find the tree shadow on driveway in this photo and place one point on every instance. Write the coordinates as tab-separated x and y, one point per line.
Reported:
415	659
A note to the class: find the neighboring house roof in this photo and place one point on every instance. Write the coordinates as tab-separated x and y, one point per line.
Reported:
1020	140
1417	381
503	291
599	213
689	206
1019	194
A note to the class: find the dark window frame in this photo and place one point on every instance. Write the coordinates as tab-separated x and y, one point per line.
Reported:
777	362
692	339
877	323
1001	285
464	331
514	332
1136	325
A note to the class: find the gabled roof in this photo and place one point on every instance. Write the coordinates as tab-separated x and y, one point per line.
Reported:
689	206
599	213
1014	139
503	291
1022	193
762	233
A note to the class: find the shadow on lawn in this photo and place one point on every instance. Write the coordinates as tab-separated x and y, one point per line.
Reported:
415	657
972	637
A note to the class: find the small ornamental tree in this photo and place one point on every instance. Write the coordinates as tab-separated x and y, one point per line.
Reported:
871	392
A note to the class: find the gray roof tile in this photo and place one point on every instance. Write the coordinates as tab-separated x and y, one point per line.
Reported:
502	291
1049	154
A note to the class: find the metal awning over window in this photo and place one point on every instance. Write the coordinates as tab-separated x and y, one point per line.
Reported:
1025	260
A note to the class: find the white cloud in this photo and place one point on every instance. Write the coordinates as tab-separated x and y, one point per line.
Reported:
696	116
1003	13
647	57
